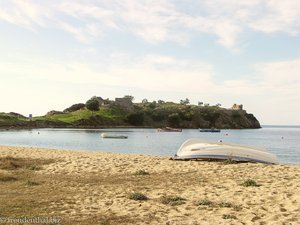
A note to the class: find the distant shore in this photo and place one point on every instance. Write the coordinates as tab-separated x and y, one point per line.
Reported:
97	187
101	127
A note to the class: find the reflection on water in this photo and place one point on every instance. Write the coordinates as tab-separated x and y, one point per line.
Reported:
283	141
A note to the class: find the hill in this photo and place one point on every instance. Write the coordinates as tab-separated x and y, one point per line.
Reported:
123	113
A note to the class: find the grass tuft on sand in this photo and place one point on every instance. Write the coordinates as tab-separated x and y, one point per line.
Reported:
5	178
141	173
250	183
225	205
172	200
228	216
32	183
137	196
229	161
205	202
12	163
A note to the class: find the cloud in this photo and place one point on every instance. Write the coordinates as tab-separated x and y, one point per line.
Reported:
26	14
157	21
273	87
279	16
281	78
155	72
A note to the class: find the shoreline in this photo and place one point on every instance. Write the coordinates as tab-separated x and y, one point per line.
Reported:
94	187
112	127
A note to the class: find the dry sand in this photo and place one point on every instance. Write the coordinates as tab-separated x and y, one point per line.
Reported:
93	188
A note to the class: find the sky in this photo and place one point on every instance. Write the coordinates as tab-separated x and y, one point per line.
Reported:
57	53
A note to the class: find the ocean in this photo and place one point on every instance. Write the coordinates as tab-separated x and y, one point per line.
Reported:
284	141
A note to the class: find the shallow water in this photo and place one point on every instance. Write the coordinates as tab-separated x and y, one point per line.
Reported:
282	141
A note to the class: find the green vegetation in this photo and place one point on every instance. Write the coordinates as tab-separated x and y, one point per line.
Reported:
74	107
137	196
5	178
229	161
102	113
34	167
225	205
172	200
92	104
250	183
11	163
12	119
135	119
141	173
228	216
31	183
222	204
205	202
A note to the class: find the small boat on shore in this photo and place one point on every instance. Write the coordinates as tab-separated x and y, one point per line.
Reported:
169	129
209	150
118	136
212	130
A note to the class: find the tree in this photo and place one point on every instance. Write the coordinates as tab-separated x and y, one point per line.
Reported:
174	119
135	119
160	102
185	101
218	105
144	101
152	105
200	103
92	104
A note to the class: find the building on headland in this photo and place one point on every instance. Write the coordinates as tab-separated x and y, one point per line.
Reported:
237	107
125	103
103	102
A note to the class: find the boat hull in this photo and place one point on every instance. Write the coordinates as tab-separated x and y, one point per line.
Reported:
116	136
210	130
198	149
169	129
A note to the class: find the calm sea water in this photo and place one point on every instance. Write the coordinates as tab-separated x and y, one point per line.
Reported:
282	141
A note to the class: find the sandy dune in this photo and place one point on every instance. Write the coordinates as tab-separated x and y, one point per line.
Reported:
90	187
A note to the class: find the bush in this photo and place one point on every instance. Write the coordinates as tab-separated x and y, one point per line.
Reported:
136	119
236	115
228	216
92	104
34	167
31	183
74	107
137	196
141	173
4	178
174	119
211	116
205	202
172	200
157	116
54	112
225	205
188	115
250	183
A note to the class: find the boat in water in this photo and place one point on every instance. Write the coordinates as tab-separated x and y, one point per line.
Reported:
169	129
118	136
213	130
209	150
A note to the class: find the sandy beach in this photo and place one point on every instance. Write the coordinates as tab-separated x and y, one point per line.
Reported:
97	188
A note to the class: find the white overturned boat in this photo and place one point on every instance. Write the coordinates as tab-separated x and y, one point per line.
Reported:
199	149
118	136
